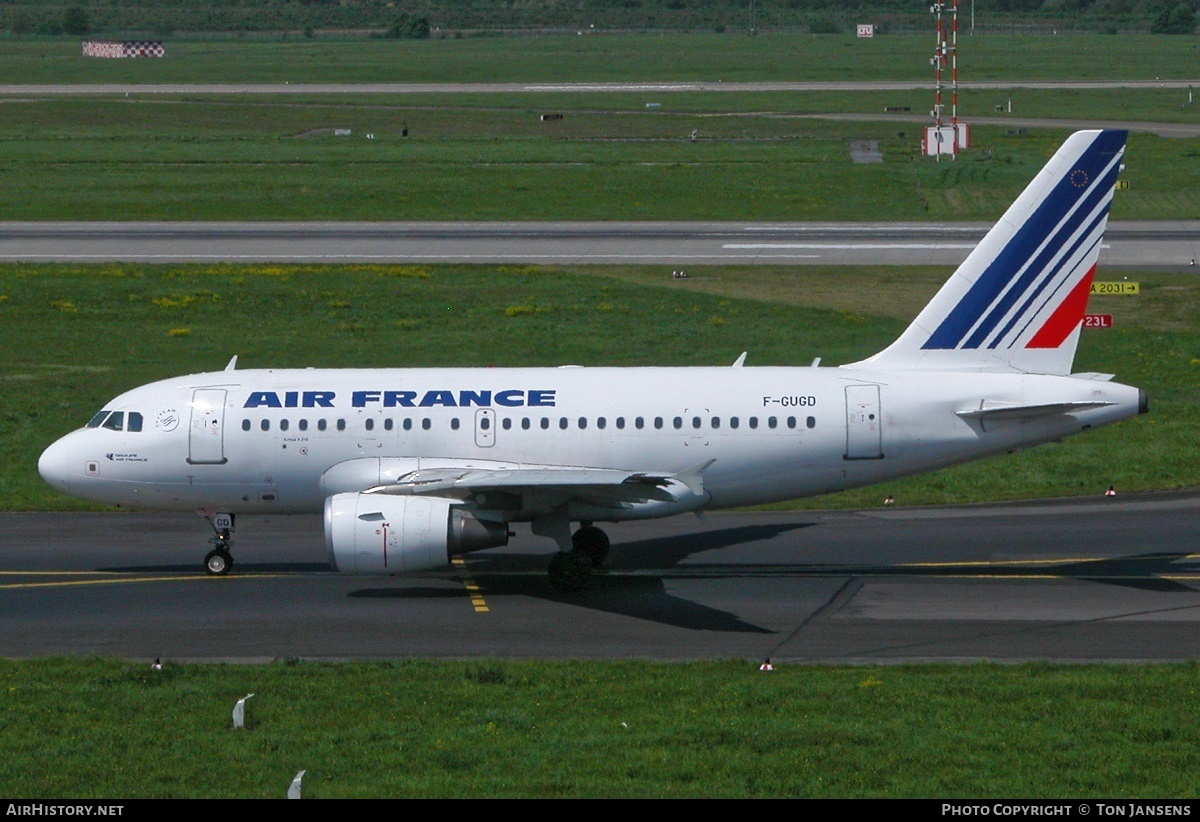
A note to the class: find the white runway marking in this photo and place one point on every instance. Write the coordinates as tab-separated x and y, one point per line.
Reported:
433	257
830	228
869	246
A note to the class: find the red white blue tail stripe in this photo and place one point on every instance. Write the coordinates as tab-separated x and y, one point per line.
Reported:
1017	302
1047	255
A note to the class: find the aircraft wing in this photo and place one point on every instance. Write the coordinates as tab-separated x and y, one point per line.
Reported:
594	483
538	487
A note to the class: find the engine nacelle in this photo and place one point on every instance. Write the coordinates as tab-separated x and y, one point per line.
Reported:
385	534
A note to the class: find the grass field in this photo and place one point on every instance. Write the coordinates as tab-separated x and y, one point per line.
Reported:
632	57
496	729
219	158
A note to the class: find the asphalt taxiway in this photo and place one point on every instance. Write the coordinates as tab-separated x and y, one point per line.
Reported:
1097	579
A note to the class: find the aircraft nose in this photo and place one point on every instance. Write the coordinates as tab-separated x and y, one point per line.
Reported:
59	466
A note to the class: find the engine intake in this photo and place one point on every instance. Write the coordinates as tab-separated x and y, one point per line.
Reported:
384	534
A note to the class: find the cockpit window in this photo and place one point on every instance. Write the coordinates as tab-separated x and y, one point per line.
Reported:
117	421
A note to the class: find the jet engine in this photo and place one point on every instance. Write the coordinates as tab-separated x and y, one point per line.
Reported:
386	534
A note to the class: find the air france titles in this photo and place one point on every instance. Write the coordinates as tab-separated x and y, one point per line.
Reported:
444	398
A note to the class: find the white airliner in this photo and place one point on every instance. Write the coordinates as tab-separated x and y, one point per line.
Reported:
414	466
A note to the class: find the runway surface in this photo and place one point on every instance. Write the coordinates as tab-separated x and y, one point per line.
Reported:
74	89
1085	580
1127	244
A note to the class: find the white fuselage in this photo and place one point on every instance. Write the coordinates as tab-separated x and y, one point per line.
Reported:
264	441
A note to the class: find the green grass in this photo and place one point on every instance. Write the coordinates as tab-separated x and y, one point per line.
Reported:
92	729
611	58
79	335
276	158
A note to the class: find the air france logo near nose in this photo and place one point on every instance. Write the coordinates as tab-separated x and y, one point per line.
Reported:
436	398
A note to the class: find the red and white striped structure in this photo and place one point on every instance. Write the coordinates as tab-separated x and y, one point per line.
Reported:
942	138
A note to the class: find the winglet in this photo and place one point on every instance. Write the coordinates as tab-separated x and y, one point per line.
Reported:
740	361
693	477
232	364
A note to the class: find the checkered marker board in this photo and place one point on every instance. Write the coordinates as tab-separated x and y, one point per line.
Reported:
126	48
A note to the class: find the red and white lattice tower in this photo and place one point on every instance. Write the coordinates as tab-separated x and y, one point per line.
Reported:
942	137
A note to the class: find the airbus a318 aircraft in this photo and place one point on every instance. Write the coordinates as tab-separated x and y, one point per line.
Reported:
414	466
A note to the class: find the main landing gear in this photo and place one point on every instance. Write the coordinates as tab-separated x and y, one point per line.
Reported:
219	560
571	570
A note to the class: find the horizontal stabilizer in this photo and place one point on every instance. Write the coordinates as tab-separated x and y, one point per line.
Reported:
996	413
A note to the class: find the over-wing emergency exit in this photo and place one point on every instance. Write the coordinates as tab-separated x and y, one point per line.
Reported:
413	466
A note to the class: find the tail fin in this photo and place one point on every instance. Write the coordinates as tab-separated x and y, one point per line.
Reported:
1017	301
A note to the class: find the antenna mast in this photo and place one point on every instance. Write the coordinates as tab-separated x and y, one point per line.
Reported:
942	139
